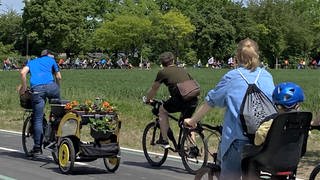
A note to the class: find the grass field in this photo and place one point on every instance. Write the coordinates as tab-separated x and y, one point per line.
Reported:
125	89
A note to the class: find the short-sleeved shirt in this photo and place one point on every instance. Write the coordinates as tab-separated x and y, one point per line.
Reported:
262	131
229	93
41	70
170	76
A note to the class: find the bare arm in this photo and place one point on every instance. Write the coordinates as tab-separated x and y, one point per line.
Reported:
198	115
316	120
58	77
153	91
262	132
23	76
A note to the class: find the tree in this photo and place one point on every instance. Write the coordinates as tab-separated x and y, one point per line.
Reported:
10	27
177	27
7	51
126	33
309	14
201	28
215	33
281	32
59	25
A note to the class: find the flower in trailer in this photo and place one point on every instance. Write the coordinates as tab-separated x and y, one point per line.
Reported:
74	103
106	107
68	106
88	103
110	109
87	106
71	105
105	104
91	107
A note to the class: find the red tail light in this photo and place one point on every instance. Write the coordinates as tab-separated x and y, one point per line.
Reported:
284	173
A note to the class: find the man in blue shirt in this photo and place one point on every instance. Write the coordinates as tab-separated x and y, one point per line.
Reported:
229	93
44	83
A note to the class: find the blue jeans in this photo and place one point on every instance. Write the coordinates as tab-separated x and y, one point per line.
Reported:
231	161
39	95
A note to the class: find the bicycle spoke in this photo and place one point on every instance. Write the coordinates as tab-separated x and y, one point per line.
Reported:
212	138
154	153
27	136
194	155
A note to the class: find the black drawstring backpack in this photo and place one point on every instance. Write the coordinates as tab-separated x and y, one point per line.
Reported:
255	108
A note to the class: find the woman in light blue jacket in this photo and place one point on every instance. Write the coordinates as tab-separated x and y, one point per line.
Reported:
229	93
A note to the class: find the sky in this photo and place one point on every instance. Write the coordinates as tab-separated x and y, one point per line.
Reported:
16	5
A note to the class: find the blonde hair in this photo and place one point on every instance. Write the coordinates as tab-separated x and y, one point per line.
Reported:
248	54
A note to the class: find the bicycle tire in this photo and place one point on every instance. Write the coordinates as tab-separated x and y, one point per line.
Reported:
212	136
27	135
193	151
204	173
154	154
315	173
66	154
111	163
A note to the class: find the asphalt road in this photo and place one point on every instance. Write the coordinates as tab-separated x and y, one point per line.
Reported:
133	166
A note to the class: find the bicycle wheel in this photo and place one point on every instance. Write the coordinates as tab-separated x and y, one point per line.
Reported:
27	135
212	137
66	154
210	171
204	173
155	154
111	163
315	173
193	152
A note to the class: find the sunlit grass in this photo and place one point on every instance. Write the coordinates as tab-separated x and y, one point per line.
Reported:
125	88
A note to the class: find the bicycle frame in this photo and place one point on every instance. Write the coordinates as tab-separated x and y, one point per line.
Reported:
53	127
189	143
177	145
171	135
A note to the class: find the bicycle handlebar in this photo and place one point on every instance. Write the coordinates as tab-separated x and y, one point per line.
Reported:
153	102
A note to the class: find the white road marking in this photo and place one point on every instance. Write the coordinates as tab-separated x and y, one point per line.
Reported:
3	177
14	150
134	151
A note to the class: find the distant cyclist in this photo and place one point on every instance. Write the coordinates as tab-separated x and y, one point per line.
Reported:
170	75
44	82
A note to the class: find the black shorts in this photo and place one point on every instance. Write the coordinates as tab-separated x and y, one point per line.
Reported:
176	104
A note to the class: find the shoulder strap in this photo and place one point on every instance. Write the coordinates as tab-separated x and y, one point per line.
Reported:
255	81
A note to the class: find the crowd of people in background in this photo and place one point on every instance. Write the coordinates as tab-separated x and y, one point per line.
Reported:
94	63
284	64
124	63
313	64
8	65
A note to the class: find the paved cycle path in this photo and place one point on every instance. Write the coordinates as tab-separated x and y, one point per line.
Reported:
15	166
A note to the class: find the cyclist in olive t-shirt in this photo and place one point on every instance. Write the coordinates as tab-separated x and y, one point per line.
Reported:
170	75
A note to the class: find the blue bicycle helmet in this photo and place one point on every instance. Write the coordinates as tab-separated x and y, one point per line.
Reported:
287	94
